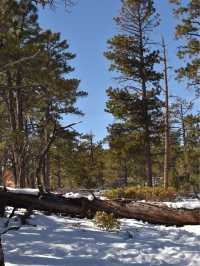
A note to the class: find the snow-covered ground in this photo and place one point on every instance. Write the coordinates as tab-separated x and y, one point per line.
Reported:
58	241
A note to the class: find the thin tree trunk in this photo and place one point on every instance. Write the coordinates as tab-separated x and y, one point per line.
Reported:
167	130
41	157
20	134
58	172
186	154
12	121
46	172
47	181
147	144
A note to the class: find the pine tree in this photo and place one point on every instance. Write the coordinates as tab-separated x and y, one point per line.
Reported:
137	103
126	154
58	94
187	124
21	20
36	92
189	31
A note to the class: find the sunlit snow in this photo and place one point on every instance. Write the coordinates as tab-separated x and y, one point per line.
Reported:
58	241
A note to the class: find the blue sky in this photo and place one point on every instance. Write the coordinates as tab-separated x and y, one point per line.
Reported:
87	28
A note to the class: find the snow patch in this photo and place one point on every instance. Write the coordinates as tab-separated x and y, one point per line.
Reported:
28	191
185	203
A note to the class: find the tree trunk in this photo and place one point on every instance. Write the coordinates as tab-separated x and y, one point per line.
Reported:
12	121
147	144
167	133
82	207
16	117
20	137
46	170
148	163
41	157
186	154
58	172
46	174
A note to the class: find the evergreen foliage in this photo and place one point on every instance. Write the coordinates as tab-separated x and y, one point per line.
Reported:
136	105
188	30
37	91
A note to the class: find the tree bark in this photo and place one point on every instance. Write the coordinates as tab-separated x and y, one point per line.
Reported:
46	160
14	101
185	144
147	142
20	137
82	207
167	130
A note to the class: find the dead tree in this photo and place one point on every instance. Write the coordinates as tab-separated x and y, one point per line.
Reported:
167	130
82	207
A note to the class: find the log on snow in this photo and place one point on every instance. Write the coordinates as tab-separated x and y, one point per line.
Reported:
151	213
82	207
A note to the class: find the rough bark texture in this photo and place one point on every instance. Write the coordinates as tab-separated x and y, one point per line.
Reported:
147	144
82	207
167	113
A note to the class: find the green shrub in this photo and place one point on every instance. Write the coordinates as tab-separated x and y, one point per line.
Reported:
142	193
106	221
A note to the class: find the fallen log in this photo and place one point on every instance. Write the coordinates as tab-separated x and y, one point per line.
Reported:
83	207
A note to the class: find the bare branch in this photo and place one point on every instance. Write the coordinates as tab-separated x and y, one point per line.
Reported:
21	60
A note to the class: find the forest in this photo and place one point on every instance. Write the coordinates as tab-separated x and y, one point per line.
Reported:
154	138
151	151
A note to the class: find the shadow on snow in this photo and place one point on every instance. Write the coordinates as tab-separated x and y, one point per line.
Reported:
71	242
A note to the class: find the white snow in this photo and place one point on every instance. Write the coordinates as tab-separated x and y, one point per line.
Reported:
29	191
72	195
58	241
77	195
184	203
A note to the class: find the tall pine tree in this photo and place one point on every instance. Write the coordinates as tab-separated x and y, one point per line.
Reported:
34	91
137	103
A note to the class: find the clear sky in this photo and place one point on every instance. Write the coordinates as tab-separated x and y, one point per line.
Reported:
87	28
